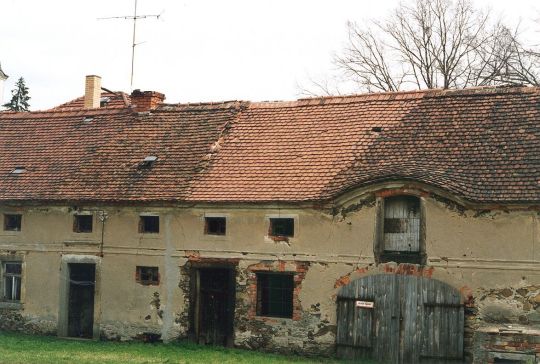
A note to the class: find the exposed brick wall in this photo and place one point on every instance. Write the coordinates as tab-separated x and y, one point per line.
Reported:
146	100
300	270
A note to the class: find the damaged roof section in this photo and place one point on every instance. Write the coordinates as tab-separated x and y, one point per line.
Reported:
72	159
482	145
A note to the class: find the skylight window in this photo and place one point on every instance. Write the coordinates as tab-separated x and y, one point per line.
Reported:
148	161
18	170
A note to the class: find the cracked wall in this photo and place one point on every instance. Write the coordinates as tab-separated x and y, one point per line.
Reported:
493	257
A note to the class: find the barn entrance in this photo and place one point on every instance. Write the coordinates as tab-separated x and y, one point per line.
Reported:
214	305
400	319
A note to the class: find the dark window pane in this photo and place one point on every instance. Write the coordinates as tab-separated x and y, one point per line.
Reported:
12	281
215	225
148	275
13	268
12	222
275	294
282	227
149	224
83	223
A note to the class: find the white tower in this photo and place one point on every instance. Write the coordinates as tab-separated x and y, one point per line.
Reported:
3	77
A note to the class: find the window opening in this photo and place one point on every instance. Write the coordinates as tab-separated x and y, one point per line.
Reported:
18	170
282	227
12	280
148	161
215	225
147	275
12	222
149	224
275	294
401	233
83	223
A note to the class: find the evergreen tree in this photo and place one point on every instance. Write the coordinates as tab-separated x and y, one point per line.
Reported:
19	99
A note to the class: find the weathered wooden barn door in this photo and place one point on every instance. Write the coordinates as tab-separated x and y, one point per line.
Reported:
215	306
400	319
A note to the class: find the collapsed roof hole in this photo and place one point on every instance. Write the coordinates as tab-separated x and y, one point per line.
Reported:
87	119
376	129
104	101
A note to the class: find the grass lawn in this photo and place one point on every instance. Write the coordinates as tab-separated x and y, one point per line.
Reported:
18	349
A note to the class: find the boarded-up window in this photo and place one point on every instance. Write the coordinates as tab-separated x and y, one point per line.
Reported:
402	224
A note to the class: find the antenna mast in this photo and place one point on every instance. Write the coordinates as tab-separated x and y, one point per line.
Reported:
135	17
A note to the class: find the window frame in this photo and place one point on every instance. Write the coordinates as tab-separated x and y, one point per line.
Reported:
385	256
145	282
264	309
76	224
207	222
142	225
3	281
271	227
8	216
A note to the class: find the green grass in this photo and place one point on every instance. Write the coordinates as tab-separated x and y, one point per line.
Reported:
22	349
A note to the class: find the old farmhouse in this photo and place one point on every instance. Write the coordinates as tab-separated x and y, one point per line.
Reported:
398	226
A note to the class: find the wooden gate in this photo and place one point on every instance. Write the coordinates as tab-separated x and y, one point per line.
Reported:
400	319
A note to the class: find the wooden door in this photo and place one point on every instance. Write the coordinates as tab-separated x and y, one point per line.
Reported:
215	307
412	320
82	281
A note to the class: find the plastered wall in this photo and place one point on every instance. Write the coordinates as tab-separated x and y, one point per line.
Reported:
480	253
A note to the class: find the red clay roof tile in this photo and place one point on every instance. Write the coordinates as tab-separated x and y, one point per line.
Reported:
481	144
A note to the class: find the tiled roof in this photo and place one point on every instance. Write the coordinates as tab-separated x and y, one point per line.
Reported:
482	145
94	154
113	100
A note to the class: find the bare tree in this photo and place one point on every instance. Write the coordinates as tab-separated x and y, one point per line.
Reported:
436	44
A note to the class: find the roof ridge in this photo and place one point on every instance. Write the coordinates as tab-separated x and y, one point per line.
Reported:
209	105
396	95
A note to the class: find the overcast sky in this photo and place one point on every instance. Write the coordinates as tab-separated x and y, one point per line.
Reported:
199	50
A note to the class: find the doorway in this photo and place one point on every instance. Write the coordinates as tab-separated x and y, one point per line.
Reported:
213	316
82	282
400	319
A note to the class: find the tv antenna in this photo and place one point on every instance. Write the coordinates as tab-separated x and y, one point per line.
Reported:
133	17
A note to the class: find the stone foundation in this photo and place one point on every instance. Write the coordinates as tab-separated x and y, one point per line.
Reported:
14	320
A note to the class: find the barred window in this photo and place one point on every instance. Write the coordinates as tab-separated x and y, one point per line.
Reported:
275	294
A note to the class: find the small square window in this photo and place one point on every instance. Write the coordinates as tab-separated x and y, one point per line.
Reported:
215	225
11	280
12	222
83	223
149	224
147	275
282	227
275	294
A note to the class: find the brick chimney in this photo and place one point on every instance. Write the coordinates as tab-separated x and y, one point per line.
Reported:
92	91
146	100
